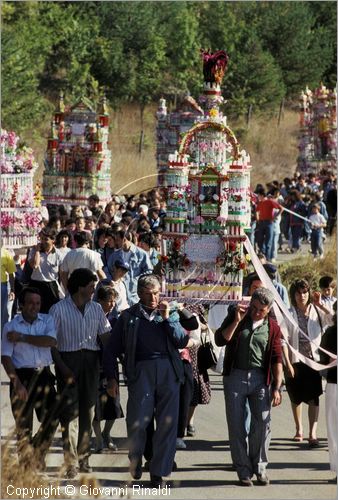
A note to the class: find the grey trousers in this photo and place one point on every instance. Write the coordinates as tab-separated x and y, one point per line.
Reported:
248	450
155	388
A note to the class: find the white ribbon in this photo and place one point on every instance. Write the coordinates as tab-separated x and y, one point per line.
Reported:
296	215
283	314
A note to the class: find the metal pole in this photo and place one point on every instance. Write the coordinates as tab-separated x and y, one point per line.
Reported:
248	117
140	147
281	111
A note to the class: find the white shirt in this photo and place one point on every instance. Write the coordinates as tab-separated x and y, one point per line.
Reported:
121	301
48	269
256	324
25	355
317	219
151	316
76	331
63	251
81	258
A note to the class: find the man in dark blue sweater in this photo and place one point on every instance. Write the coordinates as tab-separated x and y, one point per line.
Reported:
149	334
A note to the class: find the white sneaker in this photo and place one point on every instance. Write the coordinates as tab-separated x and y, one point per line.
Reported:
180	444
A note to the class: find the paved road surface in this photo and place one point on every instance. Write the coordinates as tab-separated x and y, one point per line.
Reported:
204	469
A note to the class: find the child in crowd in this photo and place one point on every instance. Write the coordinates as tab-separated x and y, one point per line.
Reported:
318	222
107	408
327	286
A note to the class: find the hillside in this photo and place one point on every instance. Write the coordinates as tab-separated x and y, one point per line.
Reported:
273	148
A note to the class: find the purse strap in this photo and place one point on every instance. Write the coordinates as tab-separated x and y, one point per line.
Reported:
206	338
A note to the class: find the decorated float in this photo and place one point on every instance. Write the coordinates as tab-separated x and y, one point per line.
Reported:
20	202
318	131
77	162
207	187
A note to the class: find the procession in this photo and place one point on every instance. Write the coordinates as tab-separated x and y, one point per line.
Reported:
127	315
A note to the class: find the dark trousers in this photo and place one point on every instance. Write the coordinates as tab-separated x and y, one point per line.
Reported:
79	403
49	294
43	399
186	392
296	234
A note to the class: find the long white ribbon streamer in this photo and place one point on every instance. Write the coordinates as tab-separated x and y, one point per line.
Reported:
296	215
283	314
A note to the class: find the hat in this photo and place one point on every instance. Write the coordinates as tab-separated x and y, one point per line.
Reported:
122	265
270	269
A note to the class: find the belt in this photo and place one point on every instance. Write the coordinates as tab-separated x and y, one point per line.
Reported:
38	369
146	357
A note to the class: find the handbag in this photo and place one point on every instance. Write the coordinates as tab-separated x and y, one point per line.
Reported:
206	356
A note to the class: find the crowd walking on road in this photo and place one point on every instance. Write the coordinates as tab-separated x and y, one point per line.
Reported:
88	316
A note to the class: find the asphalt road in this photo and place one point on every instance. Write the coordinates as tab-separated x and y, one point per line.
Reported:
204	468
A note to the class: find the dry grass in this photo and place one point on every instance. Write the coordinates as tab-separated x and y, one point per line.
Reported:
273	148
21	476
310	269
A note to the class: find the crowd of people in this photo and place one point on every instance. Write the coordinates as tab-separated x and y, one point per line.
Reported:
86	303
300	209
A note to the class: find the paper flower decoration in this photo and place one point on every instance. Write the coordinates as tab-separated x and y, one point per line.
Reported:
230	260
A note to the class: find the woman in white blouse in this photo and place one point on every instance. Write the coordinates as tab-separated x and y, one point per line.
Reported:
303	383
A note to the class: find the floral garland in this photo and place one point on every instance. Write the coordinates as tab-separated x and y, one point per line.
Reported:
18	223
15	159
230	260
187	138
175	259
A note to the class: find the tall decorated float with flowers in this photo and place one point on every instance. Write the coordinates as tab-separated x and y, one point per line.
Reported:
77	162
318	131
20	213
207	187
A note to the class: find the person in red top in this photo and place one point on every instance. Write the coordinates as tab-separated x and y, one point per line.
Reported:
267	210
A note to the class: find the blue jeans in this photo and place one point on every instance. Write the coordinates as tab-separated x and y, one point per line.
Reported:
248	449
317	242
4	303
296	234
264	234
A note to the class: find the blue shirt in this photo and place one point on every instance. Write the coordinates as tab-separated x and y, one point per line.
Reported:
25	355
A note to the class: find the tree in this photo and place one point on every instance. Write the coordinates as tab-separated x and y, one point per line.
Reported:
136	73
303	52
25	45
179	23
257	79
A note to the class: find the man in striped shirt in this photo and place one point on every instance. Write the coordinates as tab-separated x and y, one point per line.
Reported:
78	321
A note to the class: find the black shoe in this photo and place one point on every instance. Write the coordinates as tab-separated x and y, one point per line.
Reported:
245	481
156	481
147	464
191	431
262	479
85	467
136	469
